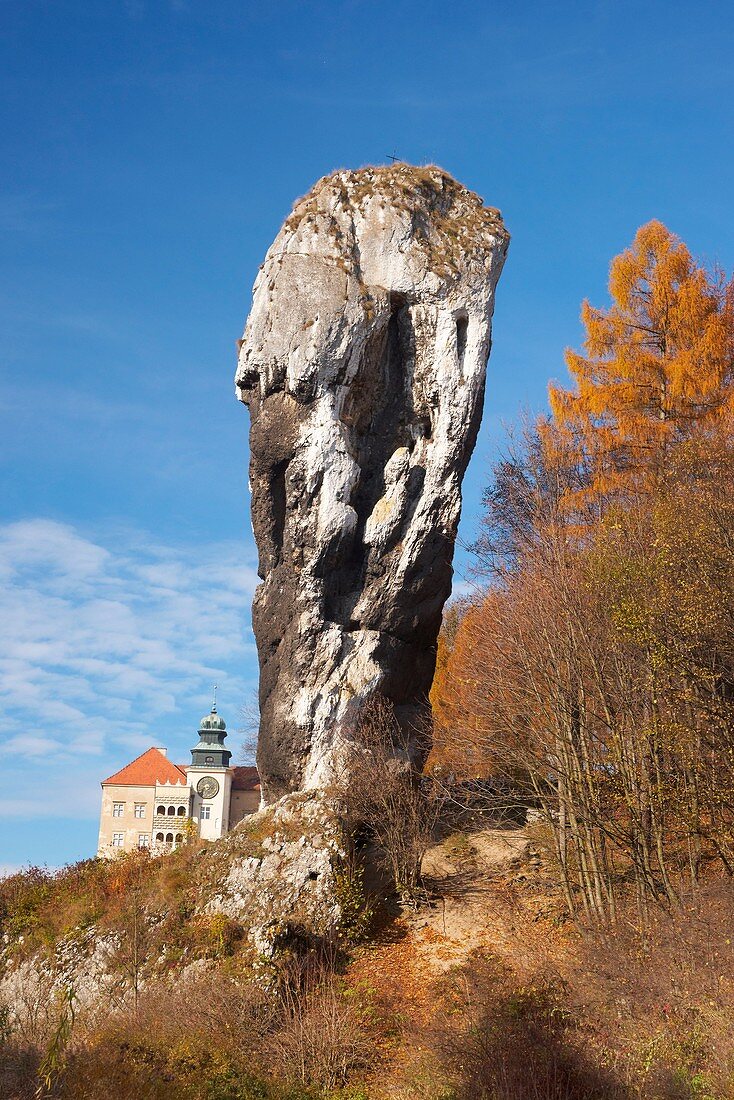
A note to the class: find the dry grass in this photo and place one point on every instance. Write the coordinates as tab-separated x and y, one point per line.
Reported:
479	996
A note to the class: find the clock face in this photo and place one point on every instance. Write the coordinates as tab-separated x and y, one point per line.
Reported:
208	787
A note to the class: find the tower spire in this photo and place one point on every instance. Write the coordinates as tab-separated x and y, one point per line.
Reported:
210	751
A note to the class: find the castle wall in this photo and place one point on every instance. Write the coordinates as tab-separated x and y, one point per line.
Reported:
128	825
242	803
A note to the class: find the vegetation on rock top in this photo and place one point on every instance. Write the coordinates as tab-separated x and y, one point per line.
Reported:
448	219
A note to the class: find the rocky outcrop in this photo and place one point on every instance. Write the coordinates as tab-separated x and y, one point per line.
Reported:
281	871
363	366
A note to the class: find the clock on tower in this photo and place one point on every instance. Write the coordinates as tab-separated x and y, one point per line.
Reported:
210	777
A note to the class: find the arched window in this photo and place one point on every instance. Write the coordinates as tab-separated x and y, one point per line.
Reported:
171	811
169	838
161	810
179	838
159	838
182	811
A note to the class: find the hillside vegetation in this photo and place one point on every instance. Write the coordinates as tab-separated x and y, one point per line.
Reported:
547	912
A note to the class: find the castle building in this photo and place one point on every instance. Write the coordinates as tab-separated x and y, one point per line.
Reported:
155	804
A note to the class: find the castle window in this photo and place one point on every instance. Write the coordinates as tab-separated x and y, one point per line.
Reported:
179	838
143	840
159	838
169	838
206	813
118	809
171	811
182	811
118	840
140	809
161	810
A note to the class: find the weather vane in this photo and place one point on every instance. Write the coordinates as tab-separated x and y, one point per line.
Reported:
214	704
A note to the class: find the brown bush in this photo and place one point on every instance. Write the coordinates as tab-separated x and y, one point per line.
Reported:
381	797
18	1071
498	1040
218	1034
664	995
325	1036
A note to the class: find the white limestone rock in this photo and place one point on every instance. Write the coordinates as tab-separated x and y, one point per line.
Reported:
280	871
363	365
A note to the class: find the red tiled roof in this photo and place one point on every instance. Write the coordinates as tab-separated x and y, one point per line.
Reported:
245	779
153	767
146	770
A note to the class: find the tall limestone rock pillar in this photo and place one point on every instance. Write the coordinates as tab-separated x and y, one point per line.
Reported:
363	365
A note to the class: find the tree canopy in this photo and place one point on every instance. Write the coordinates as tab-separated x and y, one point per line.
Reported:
657	367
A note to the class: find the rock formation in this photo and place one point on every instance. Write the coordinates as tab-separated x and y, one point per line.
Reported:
363	366
280	871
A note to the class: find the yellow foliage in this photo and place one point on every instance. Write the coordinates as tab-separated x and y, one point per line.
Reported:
658	368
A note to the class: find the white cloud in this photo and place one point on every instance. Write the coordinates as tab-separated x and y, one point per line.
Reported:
109	645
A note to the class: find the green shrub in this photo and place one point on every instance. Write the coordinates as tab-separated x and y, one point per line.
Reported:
356	910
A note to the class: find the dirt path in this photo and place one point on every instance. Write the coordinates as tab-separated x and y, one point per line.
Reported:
471	888
488	892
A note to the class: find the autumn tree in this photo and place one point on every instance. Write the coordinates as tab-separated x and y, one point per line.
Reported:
129	896
594	677
440	758
595	680
658	365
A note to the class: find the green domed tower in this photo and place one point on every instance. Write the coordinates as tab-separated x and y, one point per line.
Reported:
210	751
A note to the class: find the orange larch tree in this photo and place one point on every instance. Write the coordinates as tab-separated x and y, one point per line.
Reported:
658	365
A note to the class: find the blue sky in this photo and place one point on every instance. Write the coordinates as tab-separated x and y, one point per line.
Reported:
151	149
